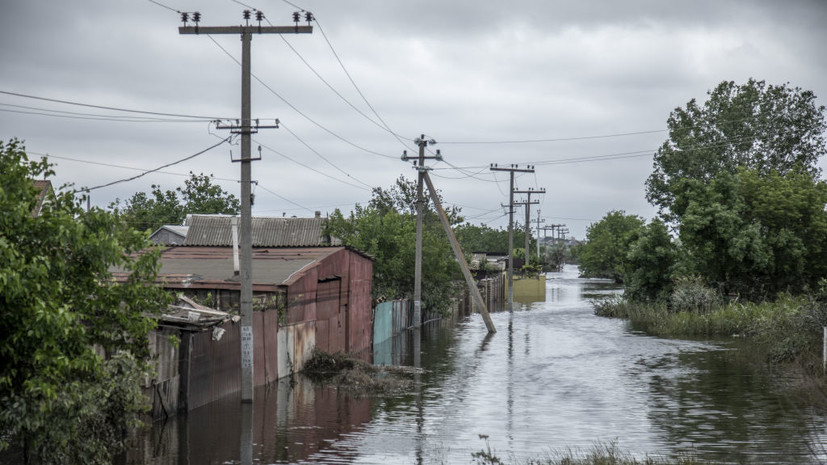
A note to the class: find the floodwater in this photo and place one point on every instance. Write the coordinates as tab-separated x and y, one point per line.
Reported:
553	378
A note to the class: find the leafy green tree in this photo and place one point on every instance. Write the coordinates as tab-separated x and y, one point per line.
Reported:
757	234
386	229
766	128
603	255
61	402
159	207
650	264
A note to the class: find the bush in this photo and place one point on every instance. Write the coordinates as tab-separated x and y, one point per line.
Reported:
691	294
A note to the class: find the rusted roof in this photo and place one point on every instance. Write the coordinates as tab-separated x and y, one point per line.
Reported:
216	230
212	267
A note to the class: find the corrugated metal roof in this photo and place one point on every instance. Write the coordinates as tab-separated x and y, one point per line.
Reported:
203	266
216	230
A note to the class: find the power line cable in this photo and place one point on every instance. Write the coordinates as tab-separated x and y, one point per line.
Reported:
285	198
164	6
353	82
309	167
103	107
75	115
308	118
559	139
324	158
88	189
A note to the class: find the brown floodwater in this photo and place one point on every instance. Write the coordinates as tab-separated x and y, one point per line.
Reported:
553	378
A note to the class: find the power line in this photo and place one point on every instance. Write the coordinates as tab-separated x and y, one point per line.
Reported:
308	118
159	168
285	199
559	139
164	6
324	158
103	107
353	82
90	116
112	165
309	167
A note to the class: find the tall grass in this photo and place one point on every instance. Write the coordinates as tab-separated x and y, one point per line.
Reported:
788	328
599	454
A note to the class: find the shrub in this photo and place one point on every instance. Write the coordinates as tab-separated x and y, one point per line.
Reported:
691	294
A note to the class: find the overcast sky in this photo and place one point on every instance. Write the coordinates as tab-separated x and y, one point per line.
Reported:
486	80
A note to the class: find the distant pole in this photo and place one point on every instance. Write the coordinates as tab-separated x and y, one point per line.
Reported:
246	129
420	208
512	169
824	350
528	204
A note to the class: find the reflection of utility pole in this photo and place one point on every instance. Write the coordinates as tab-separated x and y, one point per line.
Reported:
528	204
246	129
420	207
512	169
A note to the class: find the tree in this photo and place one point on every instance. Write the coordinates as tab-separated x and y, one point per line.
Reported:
607	245
386	229
198	195
757	234
766	128
59	400
650	264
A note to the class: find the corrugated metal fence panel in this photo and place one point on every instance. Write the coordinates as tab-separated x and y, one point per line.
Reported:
271	343
359	303
401	319
383	319
215	366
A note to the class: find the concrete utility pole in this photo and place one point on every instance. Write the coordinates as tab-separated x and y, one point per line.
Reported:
528	204
539	221
246	129
420	207
466	273
512	169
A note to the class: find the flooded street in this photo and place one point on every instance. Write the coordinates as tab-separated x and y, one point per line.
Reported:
553	377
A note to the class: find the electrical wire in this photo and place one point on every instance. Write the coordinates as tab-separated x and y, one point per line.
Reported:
559	139
358	90
310	167
324	158
164	6
88	189
88	116
103	107
285	198
304	115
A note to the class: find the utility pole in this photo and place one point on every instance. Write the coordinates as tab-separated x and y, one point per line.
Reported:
528	204
420	207
512	169
538	221
246	129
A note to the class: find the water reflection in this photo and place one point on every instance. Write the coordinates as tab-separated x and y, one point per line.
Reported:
555	376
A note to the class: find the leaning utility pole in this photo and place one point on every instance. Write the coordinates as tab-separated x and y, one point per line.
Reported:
528	204
420	208
466	273
512	169
246	129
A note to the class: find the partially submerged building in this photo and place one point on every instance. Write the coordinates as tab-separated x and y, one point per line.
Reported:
307	293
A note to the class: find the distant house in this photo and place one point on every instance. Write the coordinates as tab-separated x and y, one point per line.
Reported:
169	234
217	230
